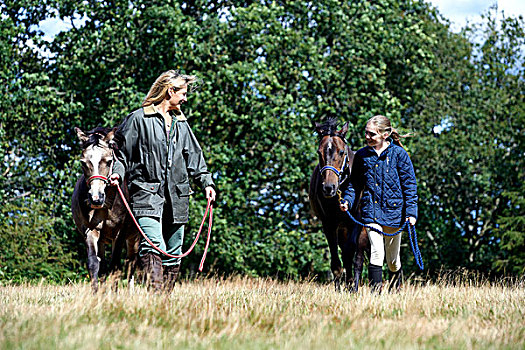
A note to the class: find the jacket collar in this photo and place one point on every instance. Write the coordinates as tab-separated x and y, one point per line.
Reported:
151	110
387	150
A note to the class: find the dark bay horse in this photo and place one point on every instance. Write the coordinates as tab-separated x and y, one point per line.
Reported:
329	177
98	211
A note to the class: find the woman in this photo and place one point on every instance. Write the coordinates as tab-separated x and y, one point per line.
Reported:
384	172
158	152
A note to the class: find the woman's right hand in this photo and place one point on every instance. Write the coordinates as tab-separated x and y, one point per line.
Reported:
114	179
344	206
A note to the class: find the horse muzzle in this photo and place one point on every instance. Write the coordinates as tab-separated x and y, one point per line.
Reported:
329	190
96	201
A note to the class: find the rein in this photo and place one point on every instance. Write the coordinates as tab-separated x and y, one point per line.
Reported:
209	208
412	236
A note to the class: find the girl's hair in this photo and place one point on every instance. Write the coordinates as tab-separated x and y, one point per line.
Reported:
383	125
167	80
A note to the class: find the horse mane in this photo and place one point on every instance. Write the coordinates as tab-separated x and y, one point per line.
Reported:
95	136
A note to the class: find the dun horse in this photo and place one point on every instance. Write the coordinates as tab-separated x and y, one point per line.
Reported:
98	211
332	172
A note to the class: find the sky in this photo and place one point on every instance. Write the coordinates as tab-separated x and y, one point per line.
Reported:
461	11
457	11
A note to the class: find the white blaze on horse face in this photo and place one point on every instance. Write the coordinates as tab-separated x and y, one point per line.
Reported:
97	187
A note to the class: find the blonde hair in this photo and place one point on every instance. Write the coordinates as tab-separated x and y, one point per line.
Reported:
384	126
167	80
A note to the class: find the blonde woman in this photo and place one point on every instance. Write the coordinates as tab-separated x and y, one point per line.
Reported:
384	173
158	152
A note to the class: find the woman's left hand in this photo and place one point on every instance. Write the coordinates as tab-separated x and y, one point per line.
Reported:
210	193
412	220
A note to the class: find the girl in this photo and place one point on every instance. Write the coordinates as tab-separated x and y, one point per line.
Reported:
385	175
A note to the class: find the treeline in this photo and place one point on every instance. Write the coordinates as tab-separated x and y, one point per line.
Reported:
268	70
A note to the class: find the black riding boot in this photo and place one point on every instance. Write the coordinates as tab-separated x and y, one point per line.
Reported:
396	280
375	276
152	274
171	273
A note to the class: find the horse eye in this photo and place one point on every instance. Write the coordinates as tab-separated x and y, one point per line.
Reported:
341	152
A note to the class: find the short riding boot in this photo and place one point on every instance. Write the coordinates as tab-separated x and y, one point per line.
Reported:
152	271
171	273
396	280
375	275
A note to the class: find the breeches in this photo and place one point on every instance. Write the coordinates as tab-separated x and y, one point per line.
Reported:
380	244
166	236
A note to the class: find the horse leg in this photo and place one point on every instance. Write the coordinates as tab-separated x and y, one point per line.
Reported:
335	263
347	250
363	245
132	248
92	239
116	249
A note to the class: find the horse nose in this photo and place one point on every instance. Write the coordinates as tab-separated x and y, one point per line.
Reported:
97	199
329	190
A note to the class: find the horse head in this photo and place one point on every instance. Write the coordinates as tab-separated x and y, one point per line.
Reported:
97	162
334	155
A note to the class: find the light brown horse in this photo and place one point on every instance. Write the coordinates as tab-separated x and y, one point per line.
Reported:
329	176
98	211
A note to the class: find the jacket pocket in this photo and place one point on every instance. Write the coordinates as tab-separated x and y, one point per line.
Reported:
394	203
393	209
145	195
184	190
151	187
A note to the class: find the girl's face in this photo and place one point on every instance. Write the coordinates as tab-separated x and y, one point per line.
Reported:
373	137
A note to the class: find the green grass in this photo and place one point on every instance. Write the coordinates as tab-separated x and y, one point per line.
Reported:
247	313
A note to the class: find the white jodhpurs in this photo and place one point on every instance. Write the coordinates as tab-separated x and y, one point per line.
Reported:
380	244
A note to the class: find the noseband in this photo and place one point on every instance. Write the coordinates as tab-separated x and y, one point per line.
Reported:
102	178
97	177
338	172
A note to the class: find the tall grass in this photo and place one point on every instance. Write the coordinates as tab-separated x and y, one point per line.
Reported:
248	313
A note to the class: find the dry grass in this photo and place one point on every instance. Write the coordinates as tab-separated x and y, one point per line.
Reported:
246	313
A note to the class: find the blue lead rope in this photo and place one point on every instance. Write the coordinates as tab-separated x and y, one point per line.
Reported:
411	236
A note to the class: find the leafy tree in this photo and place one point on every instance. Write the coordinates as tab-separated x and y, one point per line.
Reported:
269	70
31	122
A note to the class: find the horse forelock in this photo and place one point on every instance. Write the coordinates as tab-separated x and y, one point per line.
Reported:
329	128
96	137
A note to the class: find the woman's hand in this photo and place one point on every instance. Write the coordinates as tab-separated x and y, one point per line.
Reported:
344	206
412	220
114	179
210	193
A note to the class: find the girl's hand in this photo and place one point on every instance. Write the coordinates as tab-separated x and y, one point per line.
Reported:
344	206
412	220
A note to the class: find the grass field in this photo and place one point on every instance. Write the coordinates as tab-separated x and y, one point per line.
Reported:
247	313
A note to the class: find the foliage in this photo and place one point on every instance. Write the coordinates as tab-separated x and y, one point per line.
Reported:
30	249
268	71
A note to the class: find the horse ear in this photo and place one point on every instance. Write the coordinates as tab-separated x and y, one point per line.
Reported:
343	130
318	127
81	135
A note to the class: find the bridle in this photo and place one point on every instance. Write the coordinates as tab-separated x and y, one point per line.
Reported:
338	172
103	178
